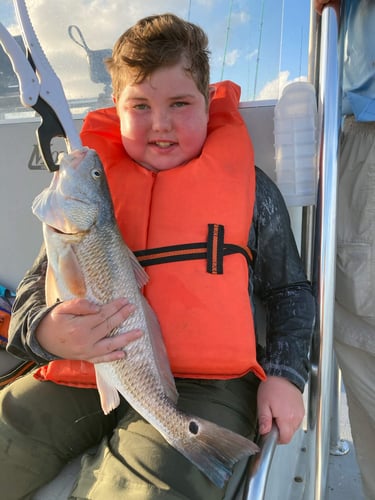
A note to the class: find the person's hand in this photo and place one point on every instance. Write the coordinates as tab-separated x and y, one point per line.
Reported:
281	401
320	4
78	329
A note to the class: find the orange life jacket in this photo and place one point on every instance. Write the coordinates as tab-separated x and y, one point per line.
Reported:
189	226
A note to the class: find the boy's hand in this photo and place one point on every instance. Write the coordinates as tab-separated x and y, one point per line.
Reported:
280	400
78	329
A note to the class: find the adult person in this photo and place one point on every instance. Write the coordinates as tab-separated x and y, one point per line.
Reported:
354	323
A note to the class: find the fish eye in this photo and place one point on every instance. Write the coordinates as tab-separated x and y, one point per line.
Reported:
96	174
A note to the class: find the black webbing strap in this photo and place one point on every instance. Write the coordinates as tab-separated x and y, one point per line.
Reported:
213	250
14	372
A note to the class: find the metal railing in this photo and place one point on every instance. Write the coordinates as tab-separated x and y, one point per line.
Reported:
260	465
323	387
325	250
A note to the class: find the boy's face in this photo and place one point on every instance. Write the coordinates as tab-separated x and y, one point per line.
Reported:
163	119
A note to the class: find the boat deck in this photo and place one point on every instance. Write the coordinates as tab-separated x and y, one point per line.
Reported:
344	482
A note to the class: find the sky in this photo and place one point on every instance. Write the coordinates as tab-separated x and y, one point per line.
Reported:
259	44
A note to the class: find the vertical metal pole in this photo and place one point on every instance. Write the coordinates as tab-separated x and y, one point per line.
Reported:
308	213
325	242
338	446
259	49
226	40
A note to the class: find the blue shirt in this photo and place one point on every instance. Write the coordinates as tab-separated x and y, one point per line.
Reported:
359	59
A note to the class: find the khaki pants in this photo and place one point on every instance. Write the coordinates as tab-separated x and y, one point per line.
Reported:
355	270
358	373
44	425
355	289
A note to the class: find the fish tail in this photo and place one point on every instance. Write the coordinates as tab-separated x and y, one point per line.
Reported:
215	450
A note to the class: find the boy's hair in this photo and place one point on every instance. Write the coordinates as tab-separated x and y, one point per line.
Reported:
155	42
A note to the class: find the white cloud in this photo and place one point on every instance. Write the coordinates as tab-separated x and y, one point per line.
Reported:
232	57
252	54
274	88
241	17
100	21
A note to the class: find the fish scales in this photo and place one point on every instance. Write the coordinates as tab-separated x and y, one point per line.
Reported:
87	257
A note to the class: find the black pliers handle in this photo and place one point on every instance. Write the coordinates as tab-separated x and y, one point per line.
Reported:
40	87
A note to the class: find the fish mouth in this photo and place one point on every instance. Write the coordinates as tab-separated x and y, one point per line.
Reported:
59	231
65	232
64	221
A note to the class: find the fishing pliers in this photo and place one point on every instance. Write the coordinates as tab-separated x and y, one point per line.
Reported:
40	87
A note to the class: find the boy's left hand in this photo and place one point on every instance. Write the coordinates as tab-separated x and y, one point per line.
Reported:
280	400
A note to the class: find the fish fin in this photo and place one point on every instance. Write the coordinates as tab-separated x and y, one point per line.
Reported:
52	294
215	449
71	271
160	352
109	396
140	274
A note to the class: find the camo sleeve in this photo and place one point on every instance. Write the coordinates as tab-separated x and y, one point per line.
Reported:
28	310
280	286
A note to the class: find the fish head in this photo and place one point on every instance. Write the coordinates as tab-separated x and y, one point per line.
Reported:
78	196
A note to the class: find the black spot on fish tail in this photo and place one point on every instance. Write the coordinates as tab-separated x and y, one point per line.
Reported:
193	427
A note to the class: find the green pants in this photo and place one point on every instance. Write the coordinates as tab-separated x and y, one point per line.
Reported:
44	425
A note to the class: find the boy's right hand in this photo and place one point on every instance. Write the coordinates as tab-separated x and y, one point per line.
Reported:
79	329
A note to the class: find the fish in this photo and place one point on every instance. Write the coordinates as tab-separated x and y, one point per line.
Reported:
88	258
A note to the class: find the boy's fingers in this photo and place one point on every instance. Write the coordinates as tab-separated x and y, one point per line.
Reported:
111	316
114	348
77	307
264	420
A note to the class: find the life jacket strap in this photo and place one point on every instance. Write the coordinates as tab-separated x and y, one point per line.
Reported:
213	250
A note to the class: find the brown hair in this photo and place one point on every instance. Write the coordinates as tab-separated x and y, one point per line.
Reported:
155	42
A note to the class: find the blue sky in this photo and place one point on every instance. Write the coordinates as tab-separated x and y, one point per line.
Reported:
253	42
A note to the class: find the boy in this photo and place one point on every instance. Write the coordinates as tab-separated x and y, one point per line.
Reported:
177	159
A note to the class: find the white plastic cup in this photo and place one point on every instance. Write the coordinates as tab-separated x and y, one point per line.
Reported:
295	131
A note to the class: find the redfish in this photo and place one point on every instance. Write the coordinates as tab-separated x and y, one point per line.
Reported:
88	258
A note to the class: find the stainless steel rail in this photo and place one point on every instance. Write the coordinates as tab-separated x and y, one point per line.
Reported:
325	249
259	466
338	446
